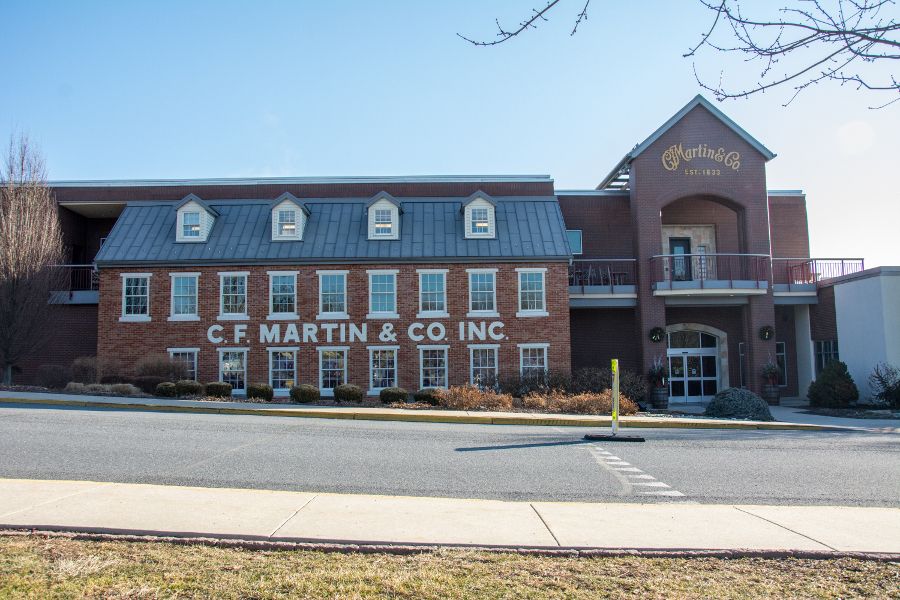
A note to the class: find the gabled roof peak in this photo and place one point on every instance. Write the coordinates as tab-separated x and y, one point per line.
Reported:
386	197
289	197
479	195
196	200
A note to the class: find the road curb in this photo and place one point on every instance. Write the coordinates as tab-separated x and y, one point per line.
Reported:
407	549
448	417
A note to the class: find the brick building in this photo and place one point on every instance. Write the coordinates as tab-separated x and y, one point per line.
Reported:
681	254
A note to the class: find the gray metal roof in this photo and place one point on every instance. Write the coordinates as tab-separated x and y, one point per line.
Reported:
431	230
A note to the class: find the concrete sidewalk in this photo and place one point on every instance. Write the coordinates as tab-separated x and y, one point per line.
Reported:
358	519
398	414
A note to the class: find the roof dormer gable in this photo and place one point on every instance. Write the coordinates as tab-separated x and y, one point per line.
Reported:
194	219
479	216
289	217
383	211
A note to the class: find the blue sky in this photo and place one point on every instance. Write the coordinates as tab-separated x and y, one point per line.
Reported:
225	89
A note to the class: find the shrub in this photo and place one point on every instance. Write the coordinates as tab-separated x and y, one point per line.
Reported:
90	369
74	387
885	382
536	382
188	387
428	396
305	394
113	379
160	365
833	388
54	377
124	389
218	389
595	379
262	391
737	403
96	388
584	403
347	392
393	394
148	383
469	397
166	389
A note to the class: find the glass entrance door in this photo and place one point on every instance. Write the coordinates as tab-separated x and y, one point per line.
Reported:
681	265
693	366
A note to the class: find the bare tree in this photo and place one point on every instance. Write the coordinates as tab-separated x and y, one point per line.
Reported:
30	244
851	42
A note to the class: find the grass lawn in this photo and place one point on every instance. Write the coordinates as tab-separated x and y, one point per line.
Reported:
39	567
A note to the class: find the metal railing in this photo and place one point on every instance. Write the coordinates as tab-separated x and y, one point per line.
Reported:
608	272
806	271
79	278
701	268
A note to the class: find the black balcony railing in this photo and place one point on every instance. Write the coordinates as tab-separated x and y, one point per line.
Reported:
78	278
609	272
701	268
812	271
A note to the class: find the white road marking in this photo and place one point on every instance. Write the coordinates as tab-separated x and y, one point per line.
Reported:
668	493
628	474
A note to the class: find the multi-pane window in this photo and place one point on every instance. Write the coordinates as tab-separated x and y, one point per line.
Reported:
382	293
482	291
433	292
190	225
382	368
575	240
531	291
781	361
136	296
184	295
384	222
282	369
332	368
333	293
234	293
826	351
484	365
188	357
287	222
233	368
533	360
433	367
481	220
283	290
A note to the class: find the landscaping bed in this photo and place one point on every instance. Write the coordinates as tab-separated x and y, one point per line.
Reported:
856	413
48	567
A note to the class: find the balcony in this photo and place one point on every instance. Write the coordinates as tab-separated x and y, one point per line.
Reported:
600	282
79	284
710	274
797	280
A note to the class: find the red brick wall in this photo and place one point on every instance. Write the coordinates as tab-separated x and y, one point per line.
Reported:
822	316
702	211
601	334
74	334
788	226
129	341
605	222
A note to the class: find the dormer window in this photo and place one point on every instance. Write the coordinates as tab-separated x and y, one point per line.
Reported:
479	212
289	217
190	224
384	217
195	219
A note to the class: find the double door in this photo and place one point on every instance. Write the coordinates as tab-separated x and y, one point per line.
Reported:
693	374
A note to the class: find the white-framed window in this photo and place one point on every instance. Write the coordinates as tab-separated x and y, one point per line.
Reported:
233	296
479	218
287	222
187	356
533	360
382	368
532	292
384	222
432	293
135	297
184	297
282	295
483	364
282	369
482	292
781	361
384	218
826	352
233	368
332	295
332	368
575	241
288	218
190	224
382	294
433	366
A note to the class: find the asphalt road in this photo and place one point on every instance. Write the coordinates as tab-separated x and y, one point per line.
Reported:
466	461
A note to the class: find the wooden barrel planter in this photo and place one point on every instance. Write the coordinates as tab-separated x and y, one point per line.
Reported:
659	397
771	394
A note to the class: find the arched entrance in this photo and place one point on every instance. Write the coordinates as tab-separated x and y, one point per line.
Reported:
698	362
